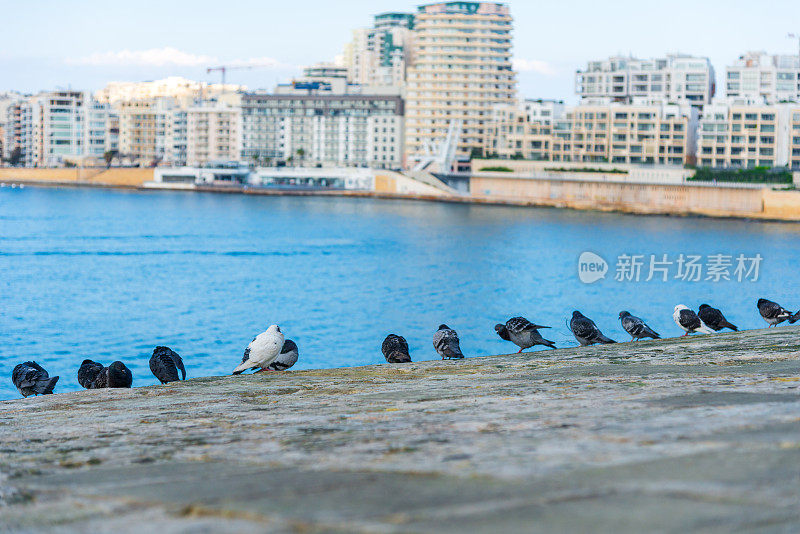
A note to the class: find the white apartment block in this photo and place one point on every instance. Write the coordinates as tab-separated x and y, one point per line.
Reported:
54	127
646	134
680	79
311	127
462	70
759	77
739	134
380	55
213	133
543	111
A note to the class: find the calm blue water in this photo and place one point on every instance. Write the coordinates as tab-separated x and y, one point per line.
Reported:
108	275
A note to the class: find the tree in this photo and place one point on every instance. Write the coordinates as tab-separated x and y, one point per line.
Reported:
301	153
109	156
16	156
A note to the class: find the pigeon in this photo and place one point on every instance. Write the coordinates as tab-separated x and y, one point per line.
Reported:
636	327
395	349
445	341
287	357
31	379
585	331
88	373
689	321
93	375
263	350
714	318
774	314
165	363
522	333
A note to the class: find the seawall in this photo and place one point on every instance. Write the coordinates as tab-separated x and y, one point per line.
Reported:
676	435
729	201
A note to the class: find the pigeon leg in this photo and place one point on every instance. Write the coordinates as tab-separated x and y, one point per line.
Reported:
520	350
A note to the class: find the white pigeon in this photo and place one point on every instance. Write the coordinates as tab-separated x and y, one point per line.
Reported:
263	350
689	321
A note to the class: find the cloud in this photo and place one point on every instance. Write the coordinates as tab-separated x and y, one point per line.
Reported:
154	57
534	65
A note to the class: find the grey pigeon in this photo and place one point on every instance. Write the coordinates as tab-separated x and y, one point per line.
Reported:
689	321
93	375
88	373
445	341
165	363
395	349
714	318
30	378
636	327
585	331
774	314
287	357
522	333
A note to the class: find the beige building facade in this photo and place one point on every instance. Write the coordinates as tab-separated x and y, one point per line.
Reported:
462	70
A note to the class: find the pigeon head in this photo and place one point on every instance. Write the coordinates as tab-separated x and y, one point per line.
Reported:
624	314
274	329
680	307
502	331
576	314
703	306
761	302
443	327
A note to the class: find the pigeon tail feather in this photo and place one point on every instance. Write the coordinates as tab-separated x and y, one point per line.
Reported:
244	367
45	386
603	339
794	318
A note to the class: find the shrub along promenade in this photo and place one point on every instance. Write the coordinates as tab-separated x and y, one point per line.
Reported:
698	433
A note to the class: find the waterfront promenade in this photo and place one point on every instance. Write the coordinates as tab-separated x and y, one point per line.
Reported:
676	435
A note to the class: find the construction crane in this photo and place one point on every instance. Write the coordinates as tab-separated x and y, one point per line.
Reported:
223	69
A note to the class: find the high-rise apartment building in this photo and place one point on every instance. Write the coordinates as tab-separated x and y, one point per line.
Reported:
213	133
675	79
764	78
146	130
380	55
461	71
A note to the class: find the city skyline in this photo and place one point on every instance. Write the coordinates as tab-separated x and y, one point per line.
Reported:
115	45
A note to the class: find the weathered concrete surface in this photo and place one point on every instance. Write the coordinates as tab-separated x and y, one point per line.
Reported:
668	436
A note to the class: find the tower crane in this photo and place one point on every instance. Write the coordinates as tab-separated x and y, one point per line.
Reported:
223	69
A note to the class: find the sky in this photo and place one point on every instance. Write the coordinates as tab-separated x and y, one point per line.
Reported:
83	44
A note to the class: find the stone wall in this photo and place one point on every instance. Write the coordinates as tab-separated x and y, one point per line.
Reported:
129	177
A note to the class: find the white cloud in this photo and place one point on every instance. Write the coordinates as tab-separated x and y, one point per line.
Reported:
154	57
534	65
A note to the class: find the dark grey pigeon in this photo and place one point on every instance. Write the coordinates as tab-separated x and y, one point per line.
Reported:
165	363
636	327
30	378
287	357
445	341
522	333
585	331
714	318
395	349
794	318
88	373
116	375
773	313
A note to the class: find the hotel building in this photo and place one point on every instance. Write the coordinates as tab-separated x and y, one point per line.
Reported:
319	121
461	71
674	79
